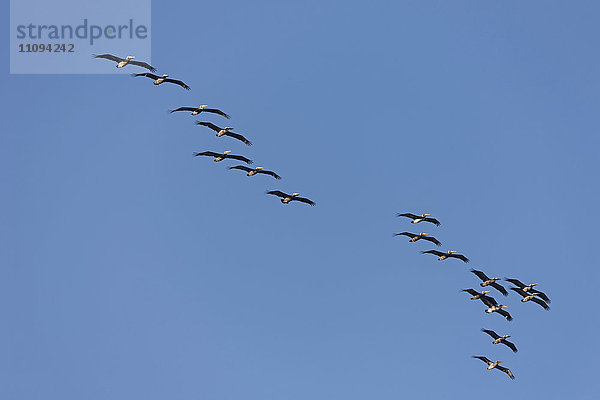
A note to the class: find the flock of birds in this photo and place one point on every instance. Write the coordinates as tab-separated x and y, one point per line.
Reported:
527	292
220	132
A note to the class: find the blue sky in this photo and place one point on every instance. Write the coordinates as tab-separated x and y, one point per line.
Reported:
131	269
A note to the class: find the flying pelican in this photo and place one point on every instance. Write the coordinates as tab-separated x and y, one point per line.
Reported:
160	79
257	170
531	296
202	108
224	131
529	288
418	218
414	237
489	282
286	198
487	300
501	339
448	254
220	157
499	309
492	365
121	62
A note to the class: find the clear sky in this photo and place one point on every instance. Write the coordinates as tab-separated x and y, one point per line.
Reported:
132	270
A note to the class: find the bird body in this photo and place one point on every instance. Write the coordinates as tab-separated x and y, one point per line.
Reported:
254	171
487	300
225	131
202	108
161	79
500	339
527	296
220	157
495	364
419	218
529	289
448	254
287	198
499	309
489	282
121	62
425	236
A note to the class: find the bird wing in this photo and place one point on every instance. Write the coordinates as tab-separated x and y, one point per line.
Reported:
516	282
511	345
408	215
410	235
505	370
242	167
505	314
491	333
278	193
304	200
108	57
488	301
542	296
208	153
241	158
541	303
143	64
459	256
480	274
432	240
472	292
209	125
499	288
432	220
147	74
216	111
437	253
273	174
182	109
482	358
180	83
239	137
519	291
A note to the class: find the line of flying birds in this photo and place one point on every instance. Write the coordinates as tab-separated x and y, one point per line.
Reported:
225	131
527	292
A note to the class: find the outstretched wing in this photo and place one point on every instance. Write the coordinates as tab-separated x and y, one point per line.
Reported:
304	200
242	167
147	74
516	282
209	125
408	215
108	57
432	240
437	253
240	158
432	220
410	235
506	371
273	174
541	303
278	193
541	295
143	64
208	153
491	333
239	137
459	256
480	274
482	358
180	83
182	109
216	111
511	345
505	314
499	288
488	301
472	292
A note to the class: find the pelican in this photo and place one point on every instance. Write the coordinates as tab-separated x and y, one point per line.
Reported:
499	309
160	79
492	365
487	300
501	339
121	62
489	282
418	218
448	254
224	131
414	237
202	108
257	170
531	296
529	289
286	198
220	157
